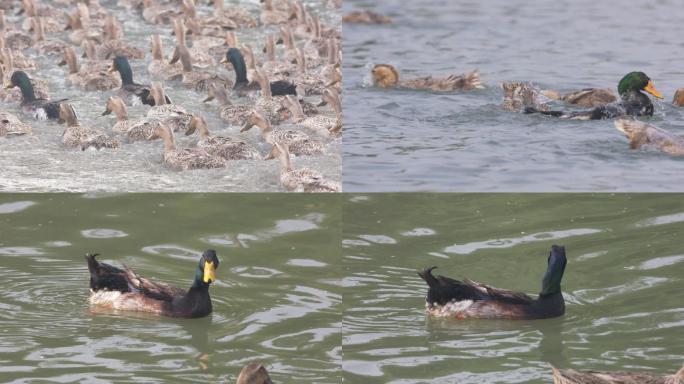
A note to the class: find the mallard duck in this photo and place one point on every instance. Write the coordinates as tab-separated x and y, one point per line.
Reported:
199	81
586	98
10	125
130	92
12	37
76	135
155	13
233	114
678	99
92	78
309	83
571	376
203	36
224	16
297	142
19	60
253	373
225	147
271	16
231	41
200	58
114	45
14	94
269	105
319	123
159	67
386	76
303	179
119	289
42	45
467	299
646	135
242	85
53	18
41	109
366	17
519	95
173	115
184	158
134	130
82	27
272	66
632	101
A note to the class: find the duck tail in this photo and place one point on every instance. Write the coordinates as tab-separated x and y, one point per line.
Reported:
529	110
93	265
426	275
473	80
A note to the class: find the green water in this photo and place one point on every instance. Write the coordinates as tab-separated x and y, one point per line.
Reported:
277	299
622	285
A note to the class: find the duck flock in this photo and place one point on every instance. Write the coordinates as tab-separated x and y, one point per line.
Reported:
287	83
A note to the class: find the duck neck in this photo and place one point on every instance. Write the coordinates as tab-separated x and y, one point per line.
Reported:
169	141
121	113
552	304
240	69
26	89
126	74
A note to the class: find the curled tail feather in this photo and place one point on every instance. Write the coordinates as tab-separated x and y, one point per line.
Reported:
426	275
473	80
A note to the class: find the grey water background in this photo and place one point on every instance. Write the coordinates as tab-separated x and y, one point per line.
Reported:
622	285
277	299
417	141
40	163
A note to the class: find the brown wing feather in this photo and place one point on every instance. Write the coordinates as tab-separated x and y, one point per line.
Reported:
152	289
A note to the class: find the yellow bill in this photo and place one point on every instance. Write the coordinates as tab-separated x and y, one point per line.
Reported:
651	89
209	273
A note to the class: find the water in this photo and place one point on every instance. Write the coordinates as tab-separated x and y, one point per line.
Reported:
622	285
417	141
277	299
40	163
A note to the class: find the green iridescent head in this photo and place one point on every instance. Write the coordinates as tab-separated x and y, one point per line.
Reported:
636	82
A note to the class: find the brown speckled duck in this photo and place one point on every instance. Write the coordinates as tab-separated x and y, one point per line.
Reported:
303	179
386	76
253	373
78	136
642	135
298	143
227	148
571	376
134	130
184	158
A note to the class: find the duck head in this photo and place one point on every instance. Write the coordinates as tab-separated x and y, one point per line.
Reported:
234	56
198	123
636	82
385	75
554	273
253	373
20	79
206	270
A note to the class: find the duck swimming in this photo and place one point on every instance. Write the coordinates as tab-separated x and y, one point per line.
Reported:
632	101
76	135
184	158
225	147
571	376
119	289
642	135
386	76
297	142
242	84
130	92
134	130
302	179
253	373
467	299
42	109
10	125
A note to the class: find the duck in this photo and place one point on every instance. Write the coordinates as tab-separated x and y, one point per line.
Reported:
302	179
82	28
386	76
271	16
309	83
678	99
571	376
227	148
199	81
42	45
272	66
173	115
242	85
123	289
253	373
228	112
41	108
76	135
53	18
184	158
449	298
223	16
585	98
92	78
366	17
158	66
134	130
323	125
13	38
642	135
298	143
10	125
130	92
519	96
271	106
155	13
14	94
114	45
632	101
20	61
200	58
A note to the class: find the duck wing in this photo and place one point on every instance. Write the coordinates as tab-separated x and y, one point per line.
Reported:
106	277
152	289
443	290
282	88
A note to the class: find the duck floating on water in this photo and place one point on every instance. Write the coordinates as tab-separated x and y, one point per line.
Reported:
131	92
298	143
10	125
467	299
123	289
642	135
632	101
225	147
184	158
242	85
254	373
78	136
302	179
41	109
386	76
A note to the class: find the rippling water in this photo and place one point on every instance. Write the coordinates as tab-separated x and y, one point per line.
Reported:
622	285
277	299
39	162
417	141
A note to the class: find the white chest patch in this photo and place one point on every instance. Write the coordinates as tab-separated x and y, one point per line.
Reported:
136	100
40	114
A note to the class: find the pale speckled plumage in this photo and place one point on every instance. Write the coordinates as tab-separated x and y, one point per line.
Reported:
571	376
173	116
303	179
185	158
645	135
78	136
297	142
10	125
228	148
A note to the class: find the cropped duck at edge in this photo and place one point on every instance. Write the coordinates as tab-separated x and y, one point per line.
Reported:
466	299
119	289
